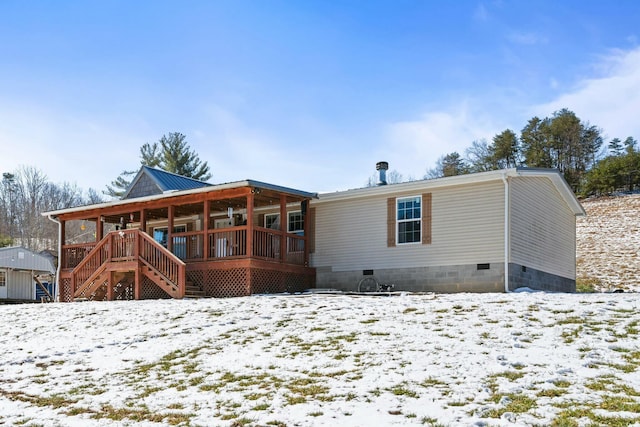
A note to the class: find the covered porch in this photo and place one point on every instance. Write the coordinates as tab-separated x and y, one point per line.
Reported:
220	241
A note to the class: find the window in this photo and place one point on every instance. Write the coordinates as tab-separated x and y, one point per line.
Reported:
160	233
3	278
296	223
272	221
409	219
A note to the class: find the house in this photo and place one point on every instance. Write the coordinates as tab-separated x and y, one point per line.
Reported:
485	232
172	236
22	273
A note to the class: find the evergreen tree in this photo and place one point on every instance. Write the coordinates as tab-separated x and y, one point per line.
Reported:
172	154
615	147
505	149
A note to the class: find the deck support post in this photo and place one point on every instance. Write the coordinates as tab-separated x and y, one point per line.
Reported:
110	286
283	226
137	286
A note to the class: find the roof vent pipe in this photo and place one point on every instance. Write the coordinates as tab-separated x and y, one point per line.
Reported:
382	168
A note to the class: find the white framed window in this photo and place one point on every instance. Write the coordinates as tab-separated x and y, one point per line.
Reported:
3	278
296	223
272	221
409	219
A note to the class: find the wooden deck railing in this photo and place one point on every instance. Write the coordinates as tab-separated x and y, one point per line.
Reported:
228	242
225	243
90	264
72	255
129	245
166	263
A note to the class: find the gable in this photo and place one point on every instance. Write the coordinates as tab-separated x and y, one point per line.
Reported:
144	186
150	181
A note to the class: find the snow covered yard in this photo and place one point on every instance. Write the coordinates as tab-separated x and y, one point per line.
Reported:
451	360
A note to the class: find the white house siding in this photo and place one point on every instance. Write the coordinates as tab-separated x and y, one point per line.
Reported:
467	229
543	228
20	285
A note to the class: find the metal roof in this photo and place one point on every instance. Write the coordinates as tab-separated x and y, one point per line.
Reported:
166	181
19	258
175	193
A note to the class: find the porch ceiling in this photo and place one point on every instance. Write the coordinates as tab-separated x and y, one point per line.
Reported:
185	207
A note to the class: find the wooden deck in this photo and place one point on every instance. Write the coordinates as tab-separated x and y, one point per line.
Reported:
129	264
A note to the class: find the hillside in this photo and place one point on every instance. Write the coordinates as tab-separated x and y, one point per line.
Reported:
608	239
517	359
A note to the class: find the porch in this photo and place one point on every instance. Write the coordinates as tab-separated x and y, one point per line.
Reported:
216	242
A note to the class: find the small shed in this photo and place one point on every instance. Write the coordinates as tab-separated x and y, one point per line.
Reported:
22	272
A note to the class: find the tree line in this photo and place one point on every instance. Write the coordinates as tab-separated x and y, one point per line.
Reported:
24	195
562	142
27	192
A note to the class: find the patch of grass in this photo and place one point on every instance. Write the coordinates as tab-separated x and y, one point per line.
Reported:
518	404
409	310
619	403
552	392
587	284
561	383
575	320
368	321
510	375
379	334
402	390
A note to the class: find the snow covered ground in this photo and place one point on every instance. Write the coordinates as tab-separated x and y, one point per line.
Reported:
608	241
334	360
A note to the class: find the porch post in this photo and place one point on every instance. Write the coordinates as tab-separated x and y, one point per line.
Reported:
63	241
170	229
143	220
283	226
250	200
205	226
99	228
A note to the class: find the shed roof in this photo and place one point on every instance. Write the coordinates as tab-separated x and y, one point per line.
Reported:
19	258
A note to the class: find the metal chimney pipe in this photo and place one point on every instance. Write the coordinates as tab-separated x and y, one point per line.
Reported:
382	168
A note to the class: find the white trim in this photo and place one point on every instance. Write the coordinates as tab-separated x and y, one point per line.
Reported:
507	231
289	222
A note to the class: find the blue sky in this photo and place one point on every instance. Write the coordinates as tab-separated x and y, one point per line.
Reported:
305	94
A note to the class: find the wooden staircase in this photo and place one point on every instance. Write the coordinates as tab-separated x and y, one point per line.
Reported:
121	253
193	291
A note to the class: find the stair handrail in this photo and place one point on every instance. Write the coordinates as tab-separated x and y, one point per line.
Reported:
165	262
92	262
